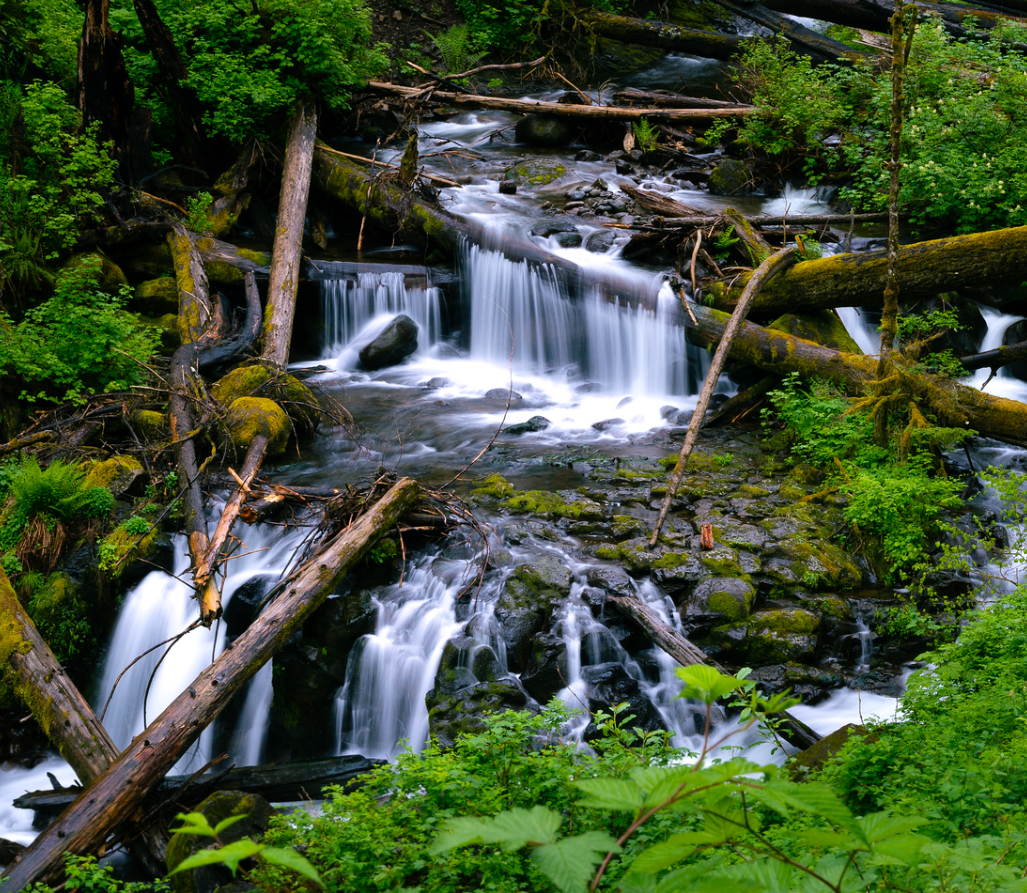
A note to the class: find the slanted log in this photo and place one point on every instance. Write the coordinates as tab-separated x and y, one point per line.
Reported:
658	203
760	220
665	637
113	797
662	35
997	358
858	280
38	678
285	261
559	109
954	405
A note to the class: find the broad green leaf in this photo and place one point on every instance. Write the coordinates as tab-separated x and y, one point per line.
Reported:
291	859
706	684
610	793
672	850
459	832
815	799
230	855
637	883
763	874
195	823
880	825
660	782
227	823
900	848
703	877
571	862
511	830
828	840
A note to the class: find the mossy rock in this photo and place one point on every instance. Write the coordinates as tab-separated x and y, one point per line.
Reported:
721	599
825	750
166	327
216	808
451	716
818	564
539	171
110	277
542	575
122	552
117	474
157	296
723	561
822	327
495	486
150	425
295	397
251	416
243	381
781	635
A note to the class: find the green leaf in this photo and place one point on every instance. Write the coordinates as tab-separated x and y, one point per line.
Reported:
672	850
291	859
764	874
229	855
815	799
878	826
610	793
195	823
706	684
570	863
511	830
227	823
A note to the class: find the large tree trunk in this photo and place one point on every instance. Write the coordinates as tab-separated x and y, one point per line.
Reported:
858	280
113	797
954	405
285	262
105	94
56	704
560	109
793	730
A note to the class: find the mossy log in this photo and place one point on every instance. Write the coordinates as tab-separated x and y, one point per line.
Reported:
997	358
858	280
662	35
560	109
665	637
38	678
116	794
283	280
953	405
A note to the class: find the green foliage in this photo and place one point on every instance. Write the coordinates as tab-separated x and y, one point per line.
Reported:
136	526
722	244
647	137
455	46
808	248
79	341
503	24
248	66
197	213
83	875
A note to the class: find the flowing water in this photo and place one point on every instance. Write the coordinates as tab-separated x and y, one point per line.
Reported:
609	349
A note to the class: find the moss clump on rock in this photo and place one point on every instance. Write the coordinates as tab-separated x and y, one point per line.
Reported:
251	416
296	398
150	425
820	327
117	474
157	296
110	276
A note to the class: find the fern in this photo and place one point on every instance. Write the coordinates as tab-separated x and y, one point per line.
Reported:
455	48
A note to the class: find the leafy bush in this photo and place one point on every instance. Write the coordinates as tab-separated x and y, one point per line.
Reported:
455	47
83	875
79	341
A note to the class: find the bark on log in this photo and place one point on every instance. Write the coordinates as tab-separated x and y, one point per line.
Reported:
241	342
658	203
104	90
793	730
768	268
38	678
755	244
675	100
997	358
114	795
953	404
662	35
857	280
285	262
799	221
559	109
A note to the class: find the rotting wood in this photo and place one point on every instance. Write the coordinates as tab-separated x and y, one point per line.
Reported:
793	730
559	109
676	100
755	244
953	405
116	794
658	202
661	35
926	269
774	264
283	280
68	721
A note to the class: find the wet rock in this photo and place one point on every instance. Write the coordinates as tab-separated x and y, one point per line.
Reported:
109	276
216	808
668	412
534	424
812	684
550	227
545	131
547	668
525	606
242	607
949	585
611	579
1016	334
157	296
257	381
607	424
717	601
609	685
623	167
502	394
437	383
678	572
730	177
588	155
780	635
822	327
395	343
507	187
463	713
823	751
568	240
600	242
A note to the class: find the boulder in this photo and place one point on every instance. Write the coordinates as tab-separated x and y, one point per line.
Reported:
822	327
545	131
117	474
1016	334
779	635
249	416
547	668
157	296
217	807
718	600
533	425
463	713
730	177
824	750
609	685
295	397
392	345
535	172
552	226
525	606
600	242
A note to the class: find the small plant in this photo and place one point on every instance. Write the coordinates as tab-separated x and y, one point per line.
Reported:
455	47
808	248
722	460
722	244
647	137
198	213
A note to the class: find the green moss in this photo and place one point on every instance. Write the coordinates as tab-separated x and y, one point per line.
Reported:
723	562
730	605
117	474
748	491
551	505
157	296
609	553
120	549
111	277
536	172
494	485
243	381
789	621
790	490
249	416
150	426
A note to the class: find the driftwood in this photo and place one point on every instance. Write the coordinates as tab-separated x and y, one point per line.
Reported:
793	730
285	264
278	782
953	405
559	109
997	358
658	202
774	264
857	280
116	794
38	678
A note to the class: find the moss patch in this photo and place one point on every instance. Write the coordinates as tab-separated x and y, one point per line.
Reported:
249	416
117	474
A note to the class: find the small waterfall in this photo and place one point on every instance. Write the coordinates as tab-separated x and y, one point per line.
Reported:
381	704
863	615
862	331
251	731
359	297
997	322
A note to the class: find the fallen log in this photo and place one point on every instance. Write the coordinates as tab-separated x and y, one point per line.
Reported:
664	97
658	202
768	268
277	782
759	220
953	405
115	795
558	109
662	35
38	678
997	358
241	342
858	280
665	637
283	280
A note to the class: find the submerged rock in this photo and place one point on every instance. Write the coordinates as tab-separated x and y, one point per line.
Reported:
534	424
393	345
545	131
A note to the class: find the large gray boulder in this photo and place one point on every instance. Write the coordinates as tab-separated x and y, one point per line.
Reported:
393	345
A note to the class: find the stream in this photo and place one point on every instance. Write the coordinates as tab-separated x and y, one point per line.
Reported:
611	372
